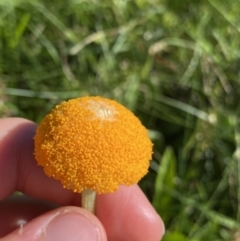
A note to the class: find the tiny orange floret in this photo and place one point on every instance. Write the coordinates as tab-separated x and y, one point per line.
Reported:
93	143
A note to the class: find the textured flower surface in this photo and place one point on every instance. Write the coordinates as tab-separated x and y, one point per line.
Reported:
93	143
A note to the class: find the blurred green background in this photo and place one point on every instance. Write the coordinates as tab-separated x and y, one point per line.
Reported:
174	63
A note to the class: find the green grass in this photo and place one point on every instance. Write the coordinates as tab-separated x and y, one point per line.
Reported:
174	63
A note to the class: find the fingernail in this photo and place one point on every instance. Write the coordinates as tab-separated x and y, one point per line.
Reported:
72	226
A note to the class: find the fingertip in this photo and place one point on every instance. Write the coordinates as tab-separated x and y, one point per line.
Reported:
158	228
74	225
18	167
66	223
15	139
131	212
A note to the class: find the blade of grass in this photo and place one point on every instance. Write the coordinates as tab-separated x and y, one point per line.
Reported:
224	9
183	106
20	28
67	32
208	213
165	177
236	157
221	187
41	94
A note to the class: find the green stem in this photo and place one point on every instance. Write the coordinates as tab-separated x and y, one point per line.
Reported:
88	200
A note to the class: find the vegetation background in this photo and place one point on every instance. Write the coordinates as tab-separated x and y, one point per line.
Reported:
174	63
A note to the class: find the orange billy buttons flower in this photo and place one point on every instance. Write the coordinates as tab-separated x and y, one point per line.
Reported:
93	143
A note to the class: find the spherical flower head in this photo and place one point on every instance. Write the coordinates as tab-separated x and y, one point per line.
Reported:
93	143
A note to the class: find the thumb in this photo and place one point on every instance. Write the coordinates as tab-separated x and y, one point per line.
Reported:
66	223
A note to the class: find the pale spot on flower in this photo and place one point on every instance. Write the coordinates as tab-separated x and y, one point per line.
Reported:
102	111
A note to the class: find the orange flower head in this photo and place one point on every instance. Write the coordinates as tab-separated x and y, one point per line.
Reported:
93	143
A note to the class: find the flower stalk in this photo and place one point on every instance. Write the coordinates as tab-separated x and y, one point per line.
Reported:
88	200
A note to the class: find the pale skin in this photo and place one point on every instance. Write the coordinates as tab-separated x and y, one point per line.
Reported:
125	215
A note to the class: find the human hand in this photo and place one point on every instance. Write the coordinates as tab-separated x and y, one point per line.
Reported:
125	215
